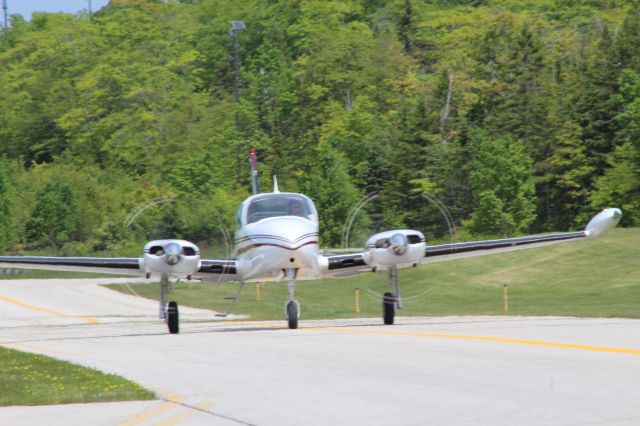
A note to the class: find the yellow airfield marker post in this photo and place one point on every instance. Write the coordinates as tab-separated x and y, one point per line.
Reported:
506	299
357	294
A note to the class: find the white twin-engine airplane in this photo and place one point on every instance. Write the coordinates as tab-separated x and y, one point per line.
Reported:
277	235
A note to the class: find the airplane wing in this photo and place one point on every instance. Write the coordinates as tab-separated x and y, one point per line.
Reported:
348	264
171	258
210	269
217	270
380	246
479	248
99	265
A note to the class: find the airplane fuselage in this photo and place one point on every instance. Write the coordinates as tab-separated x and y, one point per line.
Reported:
273	236
274	244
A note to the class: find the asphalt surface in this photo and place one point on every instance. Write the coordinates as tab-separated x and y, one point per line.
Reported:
435	371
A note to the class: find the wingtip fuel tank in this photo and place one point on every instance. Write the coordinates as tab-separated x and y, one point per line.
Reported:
603	222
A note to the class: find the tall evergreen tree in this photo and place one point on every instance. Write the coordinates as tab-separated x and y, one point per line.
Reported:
620	185
627	45
597	104
407	27
521	107
502	187
571	171
329	186
409	161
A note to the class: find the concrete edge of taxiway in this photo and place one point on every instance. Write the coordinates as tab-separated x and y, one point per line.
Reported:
87	413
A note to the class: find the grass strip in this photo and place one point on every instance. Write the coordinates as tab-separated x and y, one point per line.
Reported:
30	379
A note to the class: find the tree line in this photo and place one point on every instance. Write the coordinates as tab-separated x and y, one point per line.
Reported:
496	117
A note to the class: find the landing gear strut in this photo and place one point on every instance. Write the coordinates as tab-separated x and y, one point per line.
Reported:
391	301
170	315
291	306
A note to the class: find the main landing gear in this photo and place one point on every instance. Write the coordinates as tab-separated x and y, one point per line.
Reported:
169	315
391	301
291	306
173	321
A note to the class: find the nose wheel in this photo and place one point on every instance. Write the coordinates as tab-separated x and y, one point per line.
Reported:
170	313
291	306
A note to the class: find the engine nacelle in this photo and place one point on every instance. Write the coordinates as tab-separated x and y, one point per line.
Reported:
397	247
178	258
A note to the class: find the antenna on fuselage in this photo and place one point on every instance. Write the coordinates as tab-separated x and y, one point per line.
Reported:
254	171
275	184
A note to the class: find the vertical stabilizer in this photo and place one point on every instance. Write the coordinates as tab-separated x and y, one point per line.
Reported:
254	171
6	15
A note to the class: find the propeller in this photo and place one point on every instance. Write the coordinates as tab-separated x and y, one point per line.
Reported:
172	253
398	244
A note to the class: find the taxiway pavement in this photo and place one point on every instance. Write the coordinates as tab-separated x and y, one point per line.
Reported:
436	371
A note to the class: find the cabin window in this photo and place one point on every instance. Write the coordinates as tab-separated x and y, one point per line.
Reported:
274	205
188	251
414	239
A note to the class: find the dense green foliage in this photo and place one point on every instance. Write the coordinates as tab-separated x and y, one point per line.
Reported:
30	379
517	117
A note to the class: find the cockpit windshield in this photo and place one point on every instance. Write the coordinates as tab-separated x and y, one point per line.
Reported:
280	204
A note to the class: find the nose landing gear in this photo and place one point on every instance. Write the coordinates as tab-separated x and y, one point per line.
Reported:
391	301
292	312
170	314
291	306
388	308
173	321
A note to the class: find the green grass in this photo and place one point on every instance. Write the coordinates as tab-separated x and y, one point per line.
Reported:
30	274
28	379
587	278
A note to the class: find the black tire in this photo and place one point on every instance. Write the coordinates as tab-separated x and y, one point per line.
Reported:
173	320
292	315
388	308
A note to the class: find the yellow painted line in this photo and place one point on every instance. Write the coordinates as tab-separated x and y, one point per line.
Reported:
90	320
254	323
182	416
171	402
487	339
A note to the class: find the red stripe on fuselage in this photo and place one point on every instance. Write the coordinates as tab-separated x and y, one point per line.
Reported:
252	246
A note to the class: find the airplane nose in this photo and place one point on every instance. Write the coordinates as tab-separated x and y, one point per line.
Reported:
297	232
172	253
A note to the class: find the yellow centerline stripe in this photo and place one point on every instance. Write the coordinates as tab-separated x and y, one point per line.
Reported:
171	402
252	323
486	339
90	320
182	416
